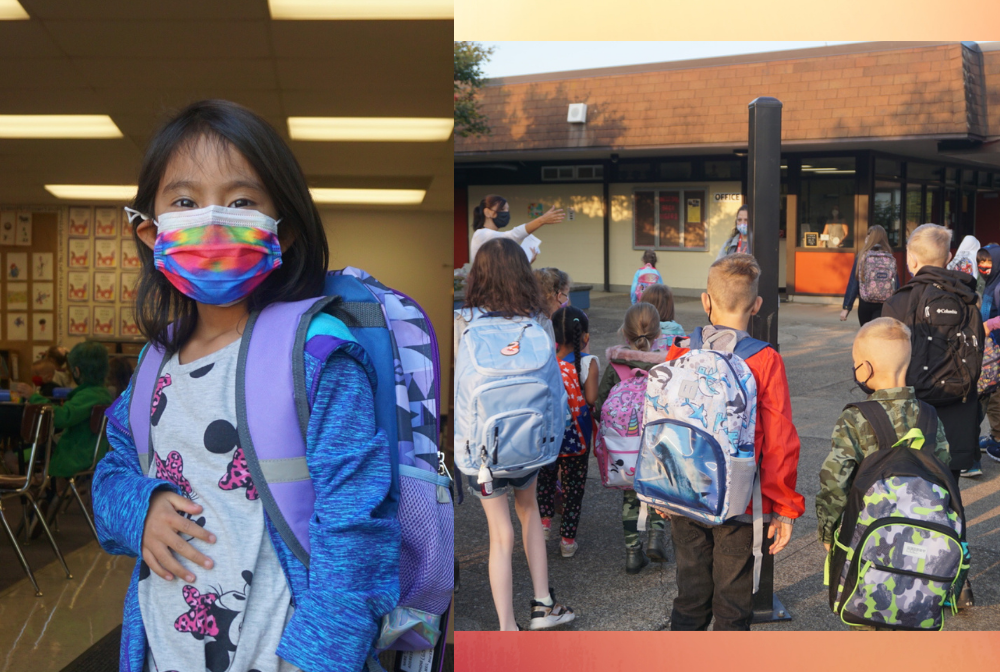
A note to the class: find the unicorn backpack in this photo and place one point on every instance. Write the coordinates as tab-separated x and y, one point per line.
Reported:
646	279
274	406
697	452
617	443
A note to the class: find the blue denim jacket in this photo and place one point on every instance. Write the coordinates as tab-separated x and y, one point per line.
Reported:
353	574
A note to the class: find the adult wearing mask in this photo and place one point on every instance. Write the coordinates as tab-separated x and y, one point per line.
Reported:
493	214
738	240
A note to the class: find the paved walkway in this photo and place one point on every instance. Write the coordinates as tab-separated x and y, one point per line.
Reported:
816	347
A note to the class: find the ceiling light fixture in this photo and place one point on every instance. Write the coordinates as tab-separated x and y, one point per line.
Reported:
369	196
11	10
95	192
58	126
370	129
361	9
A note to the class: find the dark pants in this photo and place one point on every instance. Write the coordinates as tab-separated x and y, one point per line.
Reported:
868	311
714	575
991	408
573	478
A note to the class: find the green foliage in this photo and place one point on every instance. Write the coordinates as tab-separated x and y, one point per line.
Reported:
469	57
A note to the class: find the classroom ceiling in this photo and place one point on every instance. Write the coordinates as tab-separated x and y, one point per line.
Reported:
138	60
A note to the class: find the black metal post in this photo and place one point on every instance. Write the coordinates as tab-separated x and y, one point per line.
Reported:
764	200
607	229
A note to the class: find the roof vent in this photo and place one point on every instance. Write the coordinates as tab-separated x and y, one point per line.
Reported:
577	113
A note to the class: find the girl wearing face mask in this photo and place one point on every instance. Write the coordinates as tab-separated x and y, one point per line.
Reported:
493	214
739	240
225	227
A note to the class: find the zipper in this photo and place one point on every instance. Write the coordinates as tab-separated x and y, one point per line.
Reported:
907	572
496	442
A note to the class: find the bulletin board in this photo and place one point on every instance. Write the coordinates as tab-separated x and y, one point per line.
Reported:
99	269
29	301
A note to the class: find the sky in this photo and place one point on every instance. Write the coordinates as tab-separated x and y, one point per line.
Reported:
525	58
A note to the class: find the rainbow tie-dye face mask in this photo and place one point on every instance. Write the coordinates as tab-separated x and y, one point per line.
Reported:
215	255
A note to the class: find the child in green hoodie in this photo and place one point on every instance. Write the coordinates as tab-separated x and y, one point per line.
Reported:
74	451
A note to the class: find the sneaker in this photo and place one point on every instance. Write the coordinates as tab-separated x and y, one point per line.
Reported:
993	450
965	597
568	550
546	528
543	616
973	471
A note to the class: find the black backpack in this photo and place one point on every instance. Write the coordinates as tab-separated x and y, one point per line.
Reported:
899	555
946	335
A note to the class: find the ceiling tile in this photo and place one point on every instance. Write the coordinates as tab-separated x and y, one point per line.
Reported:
202	39
26	39
177	74
146	9
354	41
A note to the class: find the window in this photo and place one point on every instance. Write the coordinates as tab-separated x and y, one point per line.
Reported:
914	210
887	211
670	218
826	205
723	170
635	172
923	171
888	168
556	173
677	171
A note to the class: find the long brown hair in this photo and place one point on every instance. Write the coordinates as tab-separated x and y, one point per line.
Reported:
641	326
550	282
501	281
662	299
493	202
876	237
735	230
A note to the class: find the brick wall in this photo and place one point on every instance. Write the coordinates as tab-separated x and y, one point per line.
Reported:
917	91
992	62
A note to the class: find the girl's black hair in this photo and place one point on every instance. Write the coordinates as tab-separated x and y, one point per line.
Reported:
233	127
569	325
493	202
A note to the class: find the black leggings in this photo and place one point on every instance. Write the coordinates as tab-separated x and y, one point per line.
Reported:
868	311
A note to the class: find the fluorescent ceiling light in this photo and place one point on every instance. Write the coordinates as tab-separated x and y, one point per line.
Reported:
361	9
370	196
57	126
12	10
96	192
367	129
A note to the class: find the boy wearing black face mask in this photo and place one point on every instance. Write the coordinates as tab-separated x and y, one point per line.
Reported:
881	357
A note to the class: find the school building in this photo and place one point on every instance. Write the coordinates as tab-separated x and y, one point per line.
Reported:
654	156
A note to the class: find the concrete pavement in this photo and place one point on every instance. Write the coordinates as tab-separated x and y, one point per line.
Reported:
816	347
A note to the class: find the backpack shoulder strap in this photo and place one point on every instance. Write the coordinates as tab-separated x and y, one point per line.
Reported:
147	372
624	372
749	346
695	340
268	375
876	416
927	424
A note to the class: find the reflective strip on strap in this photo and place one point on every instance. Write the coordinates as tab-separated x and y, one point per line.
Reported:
424	475
285	470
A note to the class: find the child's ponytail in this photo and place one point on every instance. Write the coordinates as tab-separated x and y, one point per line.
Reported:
641	326
493	202
569	325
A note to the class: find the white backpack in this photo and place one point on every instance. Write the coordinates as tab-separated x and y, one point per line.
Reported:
697	456
510	402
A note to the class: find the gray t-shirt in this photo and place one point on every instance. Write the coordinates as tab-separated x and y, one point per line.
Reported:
233	616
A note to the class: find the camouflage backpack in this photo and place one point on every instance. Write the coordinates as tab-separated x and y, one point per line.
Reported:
899	556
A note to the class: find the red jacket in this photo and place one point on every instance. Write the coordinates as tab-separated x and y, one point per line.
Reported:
776	440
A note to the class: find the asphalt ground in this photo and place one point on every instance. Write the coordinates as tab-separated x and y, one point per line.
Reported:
816	347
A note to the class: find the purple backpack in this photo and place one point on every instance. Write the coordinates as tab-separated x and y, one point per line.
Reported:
272	407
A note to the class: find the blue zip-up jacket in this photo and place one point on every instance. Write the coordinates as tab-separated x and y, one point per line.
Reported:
353	574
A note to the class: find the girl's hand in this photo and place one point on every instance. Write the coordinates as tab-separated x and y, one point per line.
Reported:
843	314
161	535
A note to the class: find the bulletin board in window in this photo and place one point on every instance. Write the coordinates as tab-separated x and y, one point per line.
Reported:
99	269
670	219
29	305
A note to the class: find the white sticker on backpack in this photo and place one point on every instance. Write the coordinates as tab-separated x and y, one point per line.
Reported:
914	551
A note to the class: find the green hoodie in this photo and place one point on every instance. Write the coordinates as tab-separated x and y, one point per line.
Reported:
75	450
